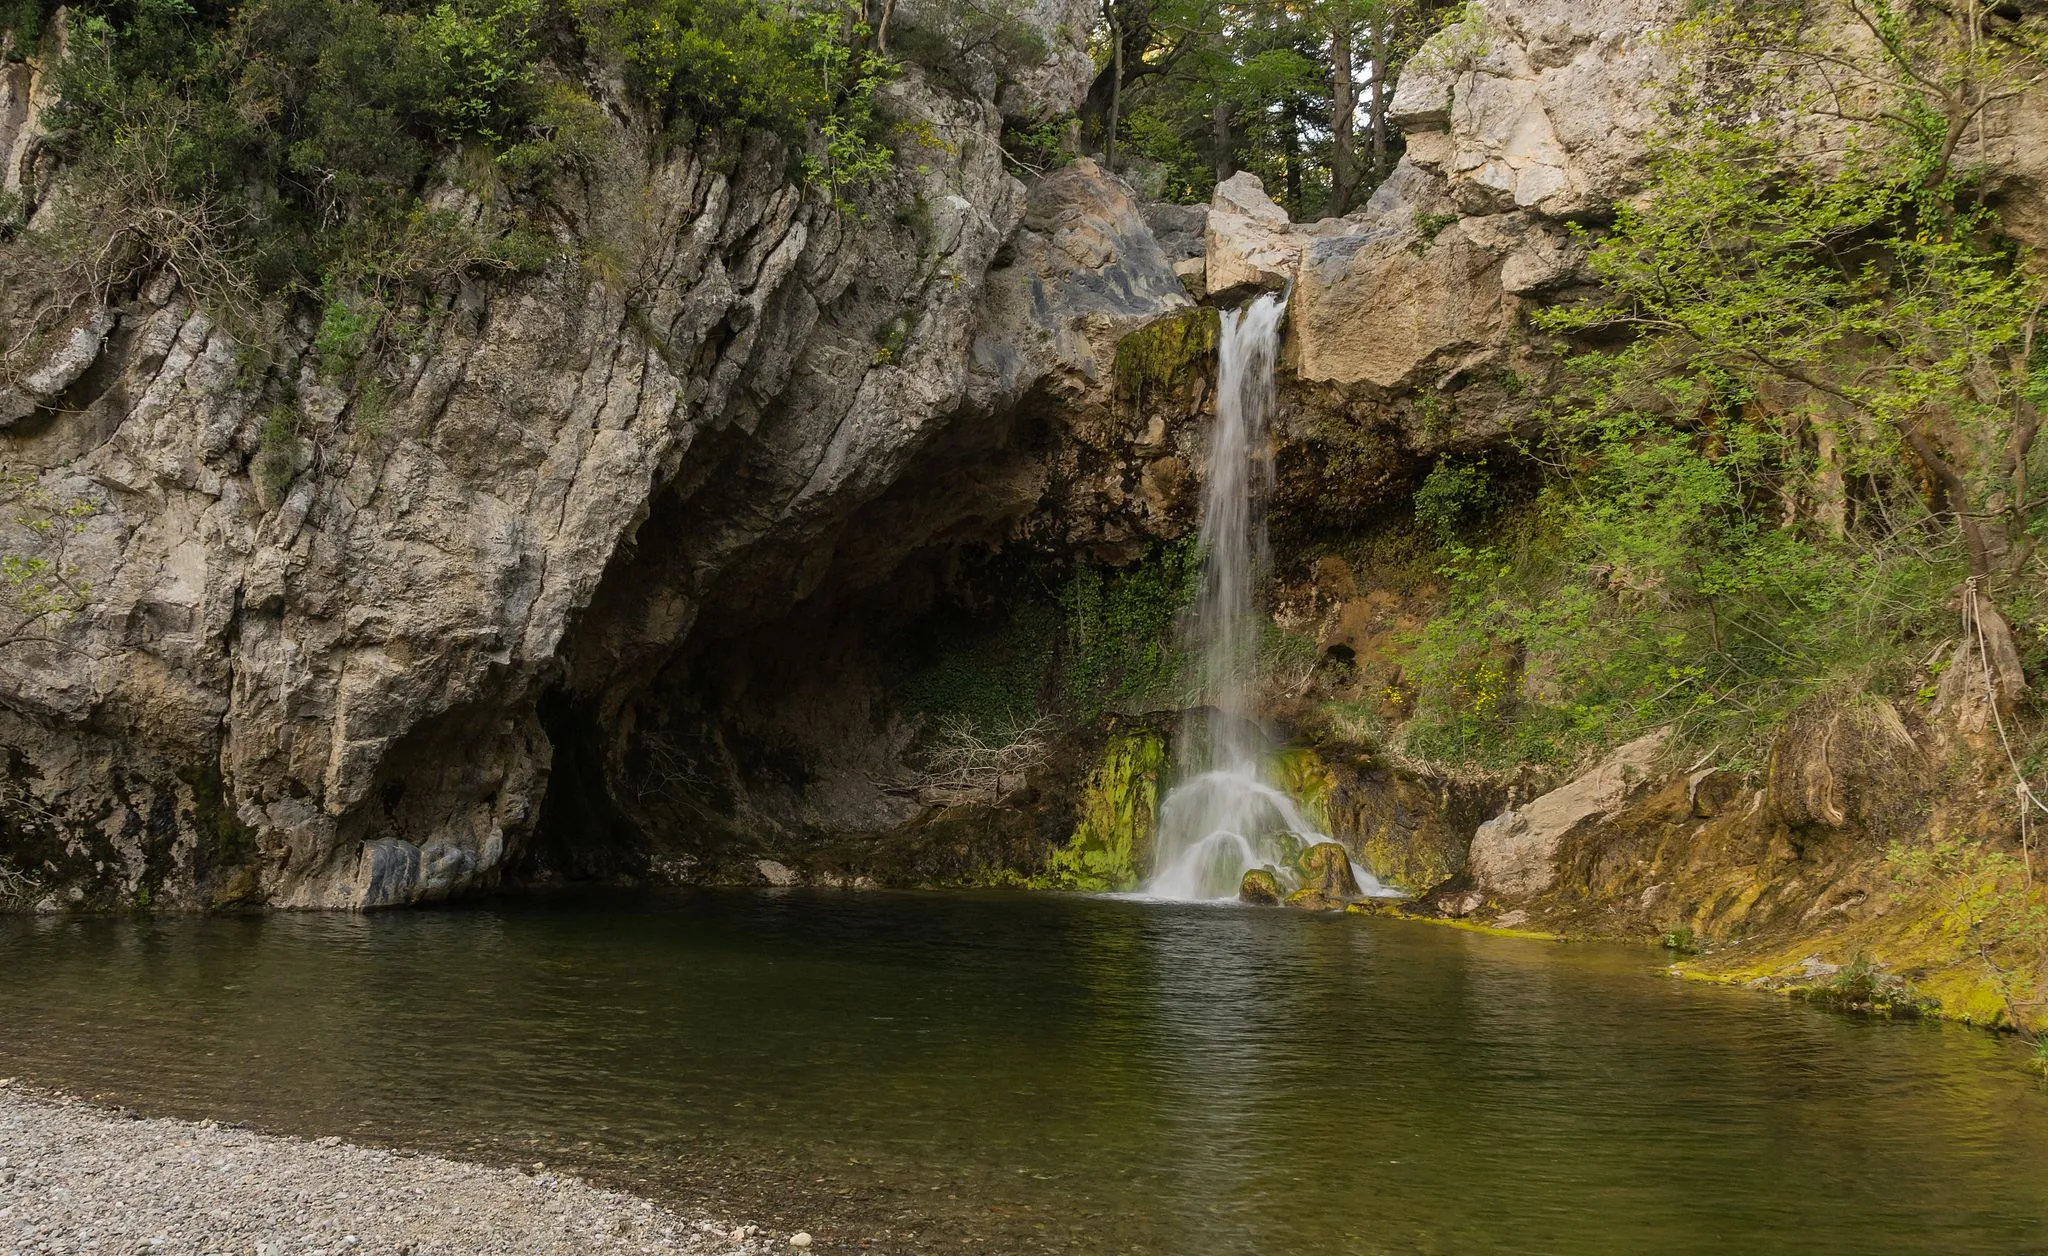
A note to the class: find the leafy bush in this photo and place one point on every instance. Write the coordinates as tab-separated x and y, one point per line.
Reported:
983	678
1451	495
1121	646
1799	416
283	146
805	71
1108	641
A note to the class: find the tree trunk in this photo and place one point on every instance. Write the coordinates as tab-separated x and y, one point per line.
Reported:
1290	152
1381	53
1957	495
1116	98
1343	112
1219	135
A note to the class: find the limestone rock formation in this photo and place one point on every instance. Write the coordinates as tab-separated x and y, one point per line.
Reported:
1513	855
1250	242
1540	105
1522	116
1082	270
306	663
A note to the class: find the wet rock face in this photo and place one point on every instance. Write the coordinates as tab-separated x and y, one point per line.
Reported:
1326	879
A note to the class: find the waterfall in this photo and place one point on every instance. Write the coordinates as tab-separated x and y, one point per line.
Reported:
1224	818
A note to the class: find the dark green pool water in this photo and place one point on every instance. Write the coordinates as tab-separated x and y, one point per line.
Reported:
1061	1074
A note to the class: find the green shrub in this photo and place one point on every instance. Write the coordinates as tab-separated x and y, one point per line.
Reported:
1452	494
283	146
1121	646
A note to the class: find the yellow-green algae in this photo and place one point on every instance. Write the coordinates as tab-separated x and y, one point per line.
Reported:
1406	859
1259	887
1303	776
1166	352
1364	820
1921	941
1392	911
1119	807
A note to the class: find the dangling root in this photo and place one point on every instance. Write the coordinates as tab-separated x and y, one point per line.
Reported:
1984	679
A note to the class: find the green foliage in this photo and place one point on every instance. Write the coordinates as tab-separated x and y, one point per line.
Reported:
1108	640
1451	495
803	70
1119	806
1208	89
285	146
40	587
1682	941
1037	149
21	27
1657	585
985	678
952	39
1430	226
346	326
891	337
276	463
1797	419
1121	647
1990	906
1862	986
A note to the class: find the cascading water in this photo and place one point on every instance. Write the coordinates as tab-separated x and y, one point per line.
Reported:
1224	818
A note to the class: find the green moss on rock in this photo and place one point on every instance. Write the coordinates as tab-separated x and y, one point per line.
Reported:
1259	888
1166	353
1112	839
1305	778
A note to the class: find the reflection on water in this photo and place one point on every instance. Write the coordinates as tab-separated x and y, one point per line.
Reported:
1062	1074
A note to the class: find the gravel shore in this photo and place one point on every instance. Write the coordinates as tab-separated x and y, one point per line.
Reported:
77	1178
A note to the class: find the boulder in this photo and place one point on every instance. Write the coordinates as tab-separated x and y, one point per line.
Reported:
1431	304
1259	888
1512	854
1083	269
1326	867
1248	240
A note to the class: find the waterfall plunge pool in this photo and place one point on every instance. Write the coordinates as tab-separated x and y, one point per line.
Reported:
1060	1073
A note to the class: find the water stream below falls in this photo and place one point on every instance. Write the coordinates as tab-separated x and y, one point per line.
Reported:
1225	817
1062	1073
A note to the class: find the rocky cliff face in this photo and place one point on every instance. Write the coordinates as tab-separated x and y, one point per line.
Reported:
605	576
308	670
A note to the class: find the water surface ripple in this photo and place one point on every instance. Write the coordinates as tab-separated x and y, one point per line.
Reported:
1061	1074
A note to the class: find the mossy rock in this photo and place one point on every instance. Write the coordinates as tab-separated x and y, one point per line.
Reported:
1259	888
1326	868
1309	898
1112	840
1166	352
1301	773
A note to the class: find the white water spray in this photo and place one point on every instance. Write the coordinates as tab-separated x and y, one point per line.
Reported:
1225	818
